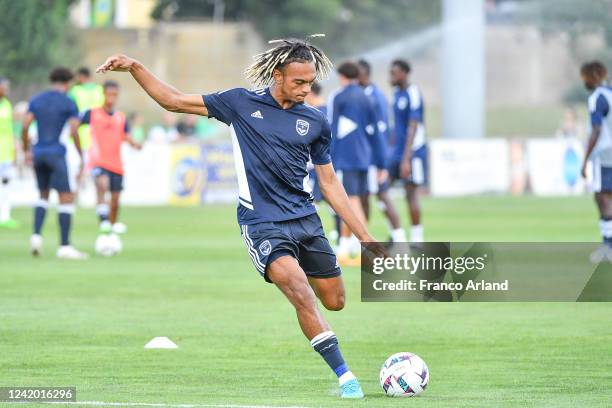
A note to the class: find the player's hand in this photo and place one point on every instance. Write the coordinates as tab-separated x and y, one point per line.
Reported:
583	170
372	249
405	169
120	63
383	175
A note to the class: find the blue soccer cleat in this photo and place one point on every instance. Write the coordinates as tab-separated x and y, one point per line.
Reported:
351	389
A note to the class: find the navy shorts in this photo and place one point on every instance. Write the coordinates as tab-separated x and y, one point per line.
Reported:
115	179
419	173
52	172
355	182
301	238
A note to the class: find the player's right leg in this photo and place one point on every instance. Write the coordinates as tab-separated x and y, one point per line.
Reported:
60	181
40	212
414	211
602	184
43	180
418	178
102	184
388	208
6	173
116	186
288	276
355	183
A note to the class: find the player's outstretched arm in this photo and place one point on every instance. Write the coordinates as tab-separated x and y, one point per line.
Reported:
334	194
166	95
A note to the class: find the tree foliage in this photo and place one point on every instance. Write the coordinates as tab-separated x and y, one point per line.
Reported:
576	19
34	36
350	25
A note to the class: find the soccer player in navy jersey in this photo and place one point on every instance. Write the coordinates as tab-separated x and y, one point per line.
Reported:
599	151
273	134
355	145
409	154
57	119
381	108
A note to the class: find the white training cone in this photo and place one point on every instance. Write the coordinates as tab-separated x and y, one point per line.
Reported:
161	343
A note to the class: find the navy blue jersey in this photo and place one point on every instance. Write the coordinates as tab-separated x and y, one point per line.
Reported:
52	110
322	109
381	108
599	110
356	143
407	106
598	105
271	149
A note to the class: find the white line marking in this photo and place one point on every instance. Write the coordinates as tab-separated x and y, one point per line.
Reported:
146	404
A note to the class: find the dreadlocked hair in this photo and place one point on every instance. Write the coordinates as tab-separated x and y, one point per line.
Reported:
284	53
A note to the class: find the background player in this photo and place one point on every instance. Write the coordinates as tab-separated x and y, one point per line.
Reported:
7	155
381	108
409	154
87	95
109	129
356	144
274	134
599	151
57	117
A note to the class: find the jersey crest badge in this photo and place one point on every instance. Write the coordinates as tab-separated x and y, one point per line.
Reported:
402	103
301	126
265	248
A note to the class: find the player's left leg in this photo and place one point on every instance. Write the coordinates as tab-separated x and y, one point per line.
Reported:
330	291
290	278
365	204
602	184
317	258
116	186
114	206
355	184
5	200
388	208
102	184
62	182
43	182
418	178
414	211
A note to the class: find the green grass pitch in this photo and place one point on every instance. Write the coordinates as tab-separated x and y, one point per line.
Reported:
185	274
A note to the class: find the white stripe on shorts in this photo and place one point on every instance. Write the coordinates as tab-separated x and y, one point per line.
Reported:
418	172
252	252
596	165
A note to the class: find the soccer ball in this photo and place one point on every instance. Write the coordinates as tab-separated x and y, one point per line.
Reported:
108	245
116	243
404	375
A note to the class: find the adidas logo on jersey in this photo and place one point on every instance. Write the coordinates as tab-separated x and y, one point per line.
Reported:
257	114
